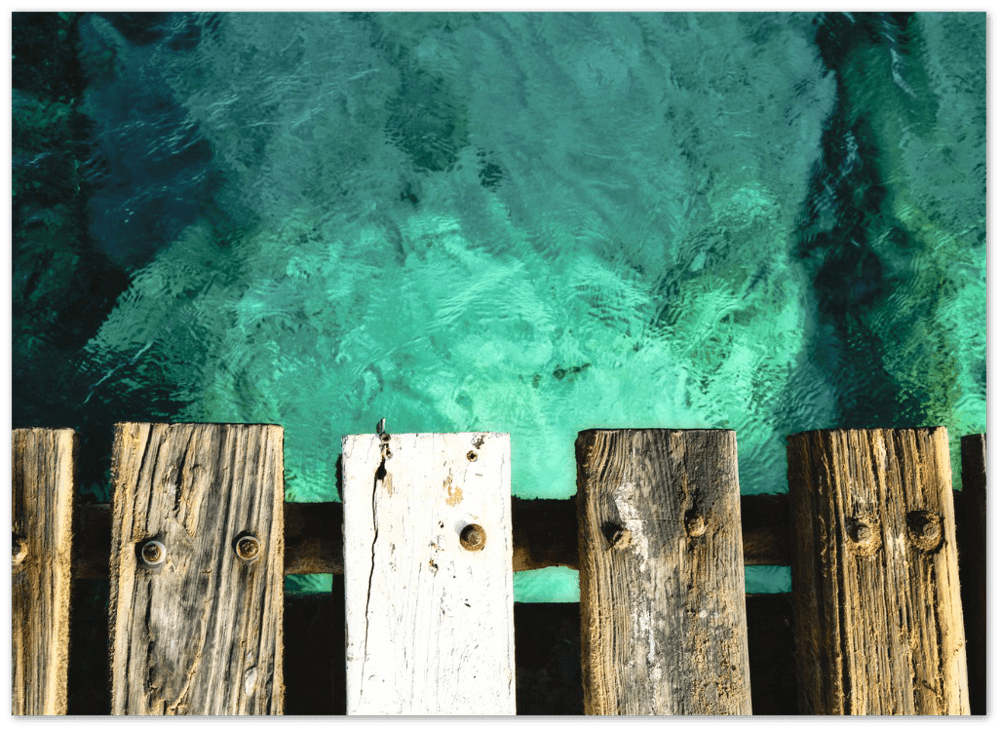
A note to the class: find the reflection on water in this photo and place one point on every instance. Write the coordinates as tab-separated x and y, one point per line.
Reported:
530	223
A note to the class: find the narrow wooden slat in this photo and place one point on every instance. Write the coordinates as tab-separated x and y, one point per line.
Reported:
875	573
42	531
429	616
972	561
200	632
662	604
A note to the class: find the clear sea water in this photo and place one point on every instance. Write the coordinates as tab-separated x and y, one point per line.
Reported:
534	224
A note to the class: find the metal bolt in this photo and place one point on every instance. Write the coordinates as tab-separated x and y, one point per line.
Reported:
153	553
473	537
471	455
863	536
694	523
248	548
925	530
859	532
19	550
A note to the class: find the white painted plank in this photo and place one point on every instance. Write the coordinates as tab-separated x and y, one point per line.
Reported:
430	624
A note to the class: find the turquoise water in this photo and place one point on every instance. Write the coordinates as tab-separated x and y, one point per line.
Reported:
526	223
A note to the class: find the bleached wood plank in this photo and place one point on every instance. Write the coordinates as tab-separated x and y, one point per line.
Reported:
429	621
662	606
196	625
42	530
878	617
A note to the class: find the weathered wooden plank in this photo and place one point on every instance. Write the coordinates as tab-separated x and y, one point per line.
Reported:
875	573
972	562
42	531
662	604
197	569
428	578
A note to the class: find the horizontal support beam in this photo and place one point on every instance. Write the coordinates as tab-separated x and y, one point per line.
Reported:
544	535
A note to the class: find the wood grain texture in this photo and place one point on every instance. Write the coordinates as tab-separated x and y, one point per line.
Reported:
662	604
42	531
429	623
200	633
972	562
875	573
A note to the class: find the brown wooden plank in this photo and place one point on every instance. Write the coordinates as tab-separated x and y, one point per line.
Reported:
42	531
972	562
196	624
662	605
875	573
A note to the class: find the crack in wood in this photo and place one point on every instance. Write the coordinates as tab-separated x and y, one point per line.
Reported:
380	476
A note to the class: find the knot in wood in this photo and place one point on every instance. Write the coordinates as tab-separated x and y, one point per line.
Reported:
153	553
473	537
248	548
19	550
925	530
694	524
862	535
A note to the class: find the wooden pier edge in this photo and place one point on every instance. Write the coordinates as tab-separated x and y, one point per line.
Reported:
878	618
662	606
544	534
197	584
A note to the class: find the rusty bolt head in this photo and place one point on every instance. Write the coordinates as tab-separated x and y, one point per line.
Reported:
859	532
864	537
248	548
153	553
19	550
694	524
925	530
473	537
472	455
